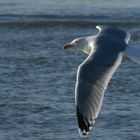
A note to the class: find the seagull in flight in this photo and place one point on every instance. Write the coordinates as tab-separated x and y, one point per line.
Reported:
105	52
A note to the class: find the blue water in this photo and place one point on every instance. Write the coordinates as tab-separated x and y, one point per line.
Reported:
37	77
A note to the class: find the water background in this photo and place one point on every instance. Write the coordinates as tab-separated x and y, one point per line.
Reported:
37	77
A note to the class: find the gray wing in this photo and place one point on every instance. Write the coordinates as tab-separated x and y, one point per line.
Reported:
93	77
133	53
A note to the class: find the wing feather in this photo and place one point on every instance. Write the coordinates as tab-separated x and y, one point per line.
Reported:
133	53
93	77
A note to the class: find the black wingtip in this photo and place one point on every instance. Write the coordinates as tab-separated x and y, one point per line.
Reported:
84	124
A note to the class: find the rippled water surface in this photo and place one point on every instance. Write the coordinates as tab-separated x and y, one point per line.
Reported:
37	77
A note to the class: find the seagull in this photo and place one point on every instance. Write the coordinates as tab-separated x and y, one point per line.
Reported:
105	52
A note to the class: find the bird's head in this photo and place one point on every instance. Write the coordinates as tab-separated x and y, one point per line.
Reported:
82	43
78	43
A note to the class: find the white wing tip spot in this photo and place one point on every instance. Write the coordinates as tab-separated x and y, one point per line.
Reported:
83	134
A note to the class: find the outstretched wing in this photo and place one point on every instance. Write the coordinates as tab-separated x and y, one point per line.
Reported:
133	53
93	77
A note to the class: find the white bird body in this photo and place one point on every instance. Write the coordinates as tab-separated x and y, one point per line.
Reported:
105	53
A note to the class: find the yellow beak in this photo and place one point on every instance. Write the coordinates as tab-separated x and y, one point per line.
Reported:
66	46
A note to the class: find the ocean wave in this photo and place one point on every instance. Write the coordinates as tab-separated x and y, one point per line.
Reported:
70	20
69	23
